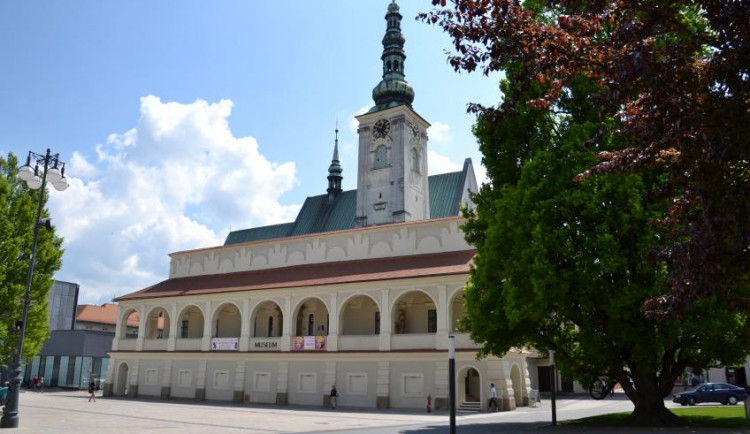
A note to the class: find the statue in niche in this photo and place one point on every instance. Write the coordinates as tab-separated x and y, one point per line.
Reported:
400	322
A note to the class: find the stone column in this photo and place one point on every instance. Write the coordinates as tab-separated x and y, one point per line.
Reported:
286	336
200	382
172	327
328	382
383	385
166	379
385	321
440	396
442	319
282	384
207	320
141	328
245	326
133	378
332	340
107	389
239	383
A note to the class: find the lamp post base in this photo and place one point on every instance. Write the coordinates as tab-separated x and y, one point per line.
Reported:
10	412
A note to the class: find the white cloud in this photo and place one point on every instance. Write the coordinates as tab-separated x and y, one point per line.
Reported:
439	132
175	181
441	164
81	167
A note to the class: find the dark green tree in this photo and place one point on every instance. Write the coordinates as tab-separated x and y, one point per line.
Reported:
17	217
561	258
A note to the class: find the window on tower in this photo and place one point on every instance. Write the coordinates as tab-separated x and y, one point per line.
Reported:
414	159
381	157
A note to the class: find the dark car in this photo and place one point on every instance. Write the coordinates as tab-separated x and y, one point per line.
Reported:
711	392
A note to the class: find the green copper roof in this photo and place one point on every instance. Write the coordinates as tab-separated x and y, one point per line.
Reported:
319	214
259	233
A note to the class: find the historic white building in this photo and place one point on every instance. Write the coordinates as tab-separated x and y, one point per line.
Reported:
362	290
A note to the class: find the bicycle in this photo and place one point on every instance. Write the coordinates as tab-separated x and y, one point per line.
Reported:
601	387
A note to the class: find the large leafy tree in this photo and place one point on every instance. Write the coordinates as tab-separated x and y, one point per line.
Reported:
678	76
599	268
18	208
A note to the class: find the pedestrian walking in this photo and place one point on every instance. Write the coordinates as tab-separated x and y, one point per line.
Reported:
41	384
493	398
334	396
92	390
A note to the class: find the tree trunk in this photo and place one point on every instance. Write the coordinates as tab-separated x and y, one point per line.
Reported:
650	411
647	395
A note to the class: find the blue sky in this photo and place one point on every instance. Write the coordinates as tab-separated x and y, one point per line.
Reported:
181	119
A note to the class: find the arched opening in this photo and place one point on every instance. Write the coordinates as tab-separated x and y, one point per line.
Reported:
457	310
157	324
312	318
227	322
515	377
360	316
469	386
121	385
190	323
129	327
267	320
414	312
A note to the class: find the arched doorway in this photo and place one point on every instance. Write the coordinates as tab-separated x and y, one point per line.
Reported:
469	386
227	322
190	323
130	323
414	312
157	324
360	316
518	386
312	318
267	320
121	385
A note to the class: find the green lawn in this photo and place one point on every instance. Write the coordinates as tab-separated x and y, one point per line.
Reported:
703	417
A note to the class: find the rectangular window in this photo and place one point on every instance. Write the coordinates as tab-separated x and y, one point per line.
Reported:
221	380
432	321
412	385
151	377
262	382
377	323
184	332
356	384
185	378
306	382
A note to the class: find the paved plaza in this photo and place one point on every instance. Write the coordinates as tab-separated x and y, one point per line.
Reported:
58	411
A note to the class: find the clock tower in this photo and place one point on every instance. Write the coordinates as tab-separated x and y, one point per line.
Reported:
392	181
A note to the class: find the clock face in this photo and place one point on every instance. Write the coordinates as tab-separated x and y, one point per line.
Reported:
381	128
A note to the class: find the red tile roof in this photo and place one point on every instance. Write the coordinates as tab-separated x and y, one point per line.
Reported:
104	314
366	270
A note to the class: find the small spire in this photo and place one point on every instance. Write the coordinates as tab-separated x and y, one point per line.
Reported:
334	170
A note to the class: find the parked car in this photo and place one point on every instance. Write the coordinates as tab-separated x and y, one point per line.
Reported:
711	392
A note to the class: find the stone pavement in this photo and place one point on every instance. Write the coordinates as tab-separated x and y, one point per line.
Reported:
63	411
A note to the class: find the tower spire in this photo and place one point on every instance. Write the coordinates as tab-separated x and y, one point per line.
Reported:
393	89
334	170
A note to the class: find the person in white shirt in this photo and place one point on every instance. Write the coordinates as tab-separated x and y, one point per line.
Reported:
493	398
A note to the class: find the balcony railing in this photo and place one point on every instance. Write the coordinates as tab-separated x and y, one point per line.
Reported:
416	341
127	344
188	344
359	342
155	345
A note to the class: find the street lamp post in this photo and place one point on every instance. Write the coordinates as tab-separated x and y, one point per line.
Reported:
52	170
